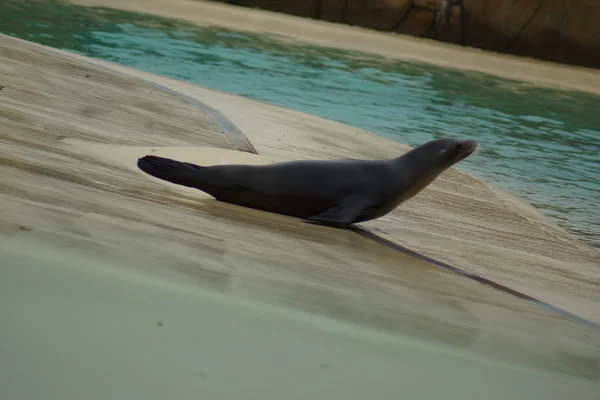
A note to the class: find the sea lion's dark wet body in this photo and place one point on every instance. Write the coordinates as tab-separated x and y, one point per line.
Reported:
331	192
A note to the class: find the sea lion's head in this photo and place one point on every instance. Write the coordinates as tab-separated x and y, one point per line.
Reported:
456	150
442	153
423	164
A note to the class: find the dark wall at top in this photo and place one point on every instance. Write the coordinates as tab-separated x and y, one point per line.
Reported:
566	31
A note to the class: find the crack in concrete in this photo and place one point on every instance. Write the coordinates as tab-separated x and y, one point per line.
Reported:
236	138
397	25
512	41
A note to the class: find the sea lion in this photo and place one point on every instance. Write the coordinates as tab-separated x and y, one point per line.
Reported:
331	192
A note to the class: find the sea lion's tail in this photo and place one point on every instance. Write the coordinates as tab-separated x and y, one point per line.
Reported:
173	171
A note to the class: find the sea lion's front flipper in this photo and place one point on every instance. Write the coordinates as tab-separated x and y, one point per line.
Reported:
344	214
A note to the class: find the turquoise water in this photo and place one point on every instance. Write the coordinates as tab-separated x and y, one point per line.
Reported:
541	144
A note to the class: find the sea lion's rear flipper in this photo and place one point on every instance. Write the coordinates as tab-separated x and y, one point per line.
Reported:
173	171
344	214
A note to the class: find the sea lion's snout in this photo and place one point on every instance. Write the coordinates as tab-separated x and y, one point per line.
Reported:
464	149
467	146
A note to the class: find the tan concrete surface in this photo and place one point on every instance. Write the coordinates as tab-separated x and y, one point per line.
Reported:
458	219
339	36
75	208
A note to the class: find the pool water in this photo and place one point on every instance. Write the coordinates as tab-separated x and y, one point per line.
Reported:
541	144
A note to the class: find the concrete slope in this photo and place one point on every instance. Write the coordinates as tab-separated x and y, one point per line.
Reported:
114	284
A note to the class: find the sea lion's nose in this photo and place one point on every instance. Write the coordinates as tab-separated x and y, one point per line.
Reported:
469	145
